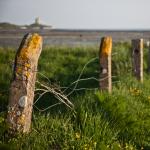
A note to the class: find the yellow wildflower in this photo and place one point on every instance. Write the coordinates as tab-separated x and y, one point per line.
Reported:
94	143
135	91
85	147
77	135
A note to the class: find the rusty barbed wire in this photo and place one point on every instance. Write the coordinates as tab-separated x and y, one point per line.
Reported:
56	90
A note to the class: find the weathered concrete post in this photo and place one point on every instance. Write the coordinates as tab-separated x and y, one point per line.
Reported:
23	83
105	64
137	58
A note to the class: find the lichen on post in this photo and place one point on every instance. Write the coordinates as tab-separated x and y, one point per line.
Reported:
23	84
105	64
137	58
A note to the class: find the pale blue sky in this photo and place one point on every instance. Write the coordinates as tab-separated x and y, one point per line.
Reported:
79	14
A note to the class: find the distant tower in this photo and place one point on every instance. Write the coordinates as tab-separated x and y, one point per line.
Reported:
37	20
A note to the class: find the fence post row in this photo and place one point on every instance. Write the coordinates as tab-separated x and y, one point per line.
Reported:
23	84
105	64
24	75
137	58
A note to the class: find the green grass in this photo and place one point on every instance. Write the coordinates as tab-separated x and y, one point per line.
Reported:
99	121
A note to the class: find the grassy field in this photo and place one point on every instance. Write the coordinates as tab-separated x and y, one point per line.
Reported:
99	121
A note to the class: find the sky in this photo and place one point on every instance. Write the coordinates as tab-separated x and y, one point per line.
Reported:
79	14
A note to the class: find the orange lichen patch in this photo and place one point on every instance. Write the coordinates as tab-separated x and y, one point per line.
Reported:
21	120
106	46
27	74
23	70
27	65
19	70
141	44
26	53
36	40
33	43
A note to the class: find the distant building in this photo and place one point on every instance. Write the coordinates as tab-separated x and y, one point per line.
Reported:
37	25
23	27
37	20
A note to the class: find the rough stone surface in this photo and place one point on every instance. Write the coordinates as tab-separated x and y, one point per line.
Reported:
23	83
137	58
105	64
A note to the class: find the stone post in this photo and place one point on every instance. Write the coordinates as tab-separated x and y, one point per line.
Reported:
22	87
105	64
137	58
